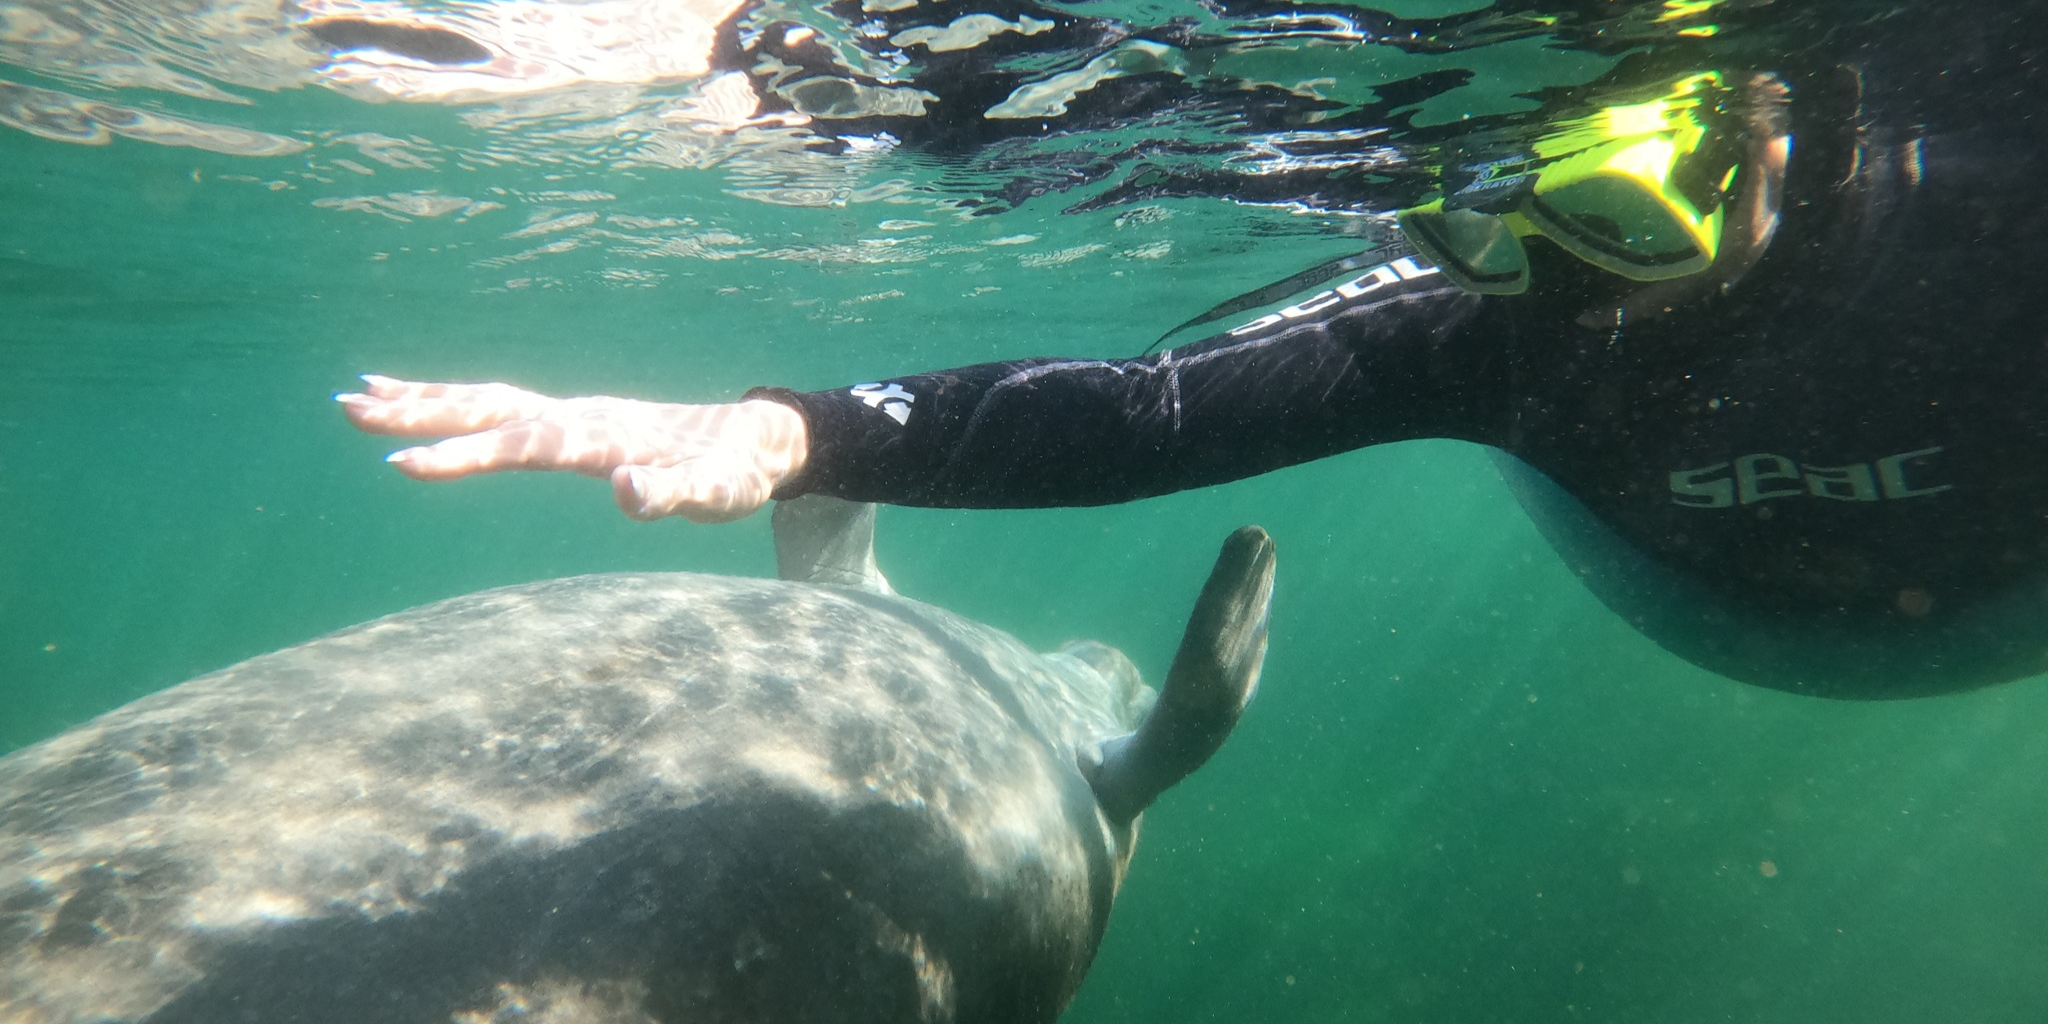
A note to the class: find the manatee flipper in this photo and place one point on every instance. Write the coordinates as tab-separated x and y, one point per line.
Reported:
1214	675
821	539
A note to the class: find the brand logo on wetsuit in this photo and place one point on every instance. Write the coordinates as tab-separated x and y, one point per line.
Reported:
890	398
1762	476
1403	269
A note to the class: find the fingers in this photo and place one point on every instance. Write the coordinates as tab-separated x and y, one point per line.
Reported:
408	408
523	445
588	445
703	490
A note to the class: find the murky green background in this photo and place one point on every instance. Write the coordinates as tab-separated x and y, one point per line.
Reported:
1467	793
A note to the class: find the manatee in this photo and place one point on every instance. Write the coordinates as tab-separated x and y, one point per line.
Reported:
615	798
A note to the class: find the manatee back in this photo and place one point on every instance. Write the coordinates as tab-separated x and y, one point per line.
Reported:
632	797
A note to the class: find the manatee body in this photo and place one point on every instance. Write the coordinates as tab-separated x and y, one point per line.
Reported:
616	798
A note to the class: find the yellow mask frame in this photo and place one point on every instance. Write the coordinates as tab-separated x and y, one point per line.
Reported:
1636	190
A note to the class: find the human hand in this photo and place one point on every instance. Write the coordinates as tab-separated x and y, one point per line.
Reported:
706	463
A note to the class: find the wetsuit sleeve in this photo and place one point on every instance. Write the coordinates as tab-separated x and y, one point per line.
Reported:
1332	373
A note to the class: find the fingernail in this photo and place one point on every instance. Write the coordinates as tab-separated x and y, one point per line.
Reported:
652	506
376	379
401	455
352	398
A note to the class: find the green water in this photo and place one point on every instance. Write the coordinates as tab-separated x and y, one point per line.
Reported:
1467	792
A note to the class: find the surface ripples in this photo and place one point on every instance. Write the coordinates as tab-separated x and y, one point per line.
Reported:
938	113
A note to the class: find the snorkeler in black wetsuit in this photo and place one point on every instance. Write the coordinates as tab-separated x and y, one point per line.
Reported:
1825	476
1817	466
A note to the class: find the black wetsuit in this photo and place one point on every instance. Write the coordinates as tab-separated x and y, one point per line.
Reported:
1832	477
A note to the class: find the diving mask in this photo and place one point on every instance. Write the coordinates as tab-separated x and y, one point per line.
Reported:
1637	190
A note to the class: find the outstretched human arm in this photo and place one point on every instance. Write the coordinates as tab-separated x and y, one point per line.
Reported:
1064	432
1387	355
